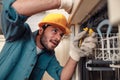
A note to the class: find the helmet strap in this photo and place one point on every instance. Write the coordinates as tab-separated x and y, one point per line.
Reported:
45	26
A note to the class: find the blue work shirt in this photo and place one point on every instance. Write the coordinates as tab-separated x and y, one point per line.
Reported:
18	58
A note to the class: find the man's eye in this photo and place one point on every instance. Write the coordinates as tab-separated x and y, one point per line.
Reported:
55	30
62	35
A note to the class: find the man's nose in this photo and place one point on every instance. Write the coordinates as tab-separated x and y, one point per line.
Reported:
58	37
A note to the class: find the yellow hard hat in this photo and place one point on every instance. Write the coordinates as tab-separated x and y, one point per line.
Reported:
56	19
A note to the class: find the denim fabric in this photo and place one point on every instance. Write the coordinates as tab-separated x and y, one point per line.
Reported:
18	58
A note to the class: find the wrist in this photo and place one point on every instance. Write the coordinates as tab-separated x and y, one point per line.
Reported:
66	5
59	3
75	56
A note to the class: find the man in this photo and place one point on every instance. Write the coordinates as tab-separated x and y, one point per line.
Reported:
27	55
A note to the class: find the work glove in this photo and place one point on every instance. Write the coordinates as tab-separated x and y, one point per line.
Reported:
85	48
66	5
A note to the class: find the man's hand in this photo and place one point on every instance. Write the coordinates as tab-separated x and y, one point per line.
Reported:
86	48
66	5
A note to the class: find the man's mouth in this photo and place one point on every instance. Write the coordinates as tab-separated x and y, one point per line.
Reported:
55	43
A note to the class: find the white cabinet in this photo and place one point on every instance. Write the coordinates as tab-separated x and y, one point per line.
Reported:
114	11
83	9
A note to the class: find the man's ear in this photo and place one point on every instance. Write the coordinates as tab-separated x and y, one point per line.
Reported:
40	30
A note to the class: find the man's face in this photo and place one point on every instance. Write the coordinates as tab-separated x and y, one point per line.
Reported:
51	37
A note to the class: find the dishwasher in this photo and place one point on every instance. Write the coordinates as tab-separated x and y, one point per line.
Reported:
104	64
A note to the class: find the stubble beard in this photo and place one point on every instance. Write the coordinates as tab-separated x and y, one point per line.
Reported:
43	41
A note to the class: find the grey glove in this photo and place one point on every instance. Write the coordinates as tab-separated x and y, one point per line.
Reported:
86	48
66	5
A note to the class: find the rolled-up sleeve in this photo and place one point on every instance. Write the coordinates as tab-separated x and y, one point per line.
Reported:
13	24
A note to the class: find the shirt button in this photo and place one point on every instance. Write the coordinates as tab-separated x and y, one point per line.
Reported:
26	78
32	65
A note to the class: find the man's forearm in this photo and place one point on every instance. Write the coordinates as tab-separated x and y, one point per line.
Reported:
30	7
68	69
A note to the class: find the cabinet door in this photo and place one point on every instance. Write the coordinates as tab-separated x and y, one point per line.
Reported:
82	9
114	11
